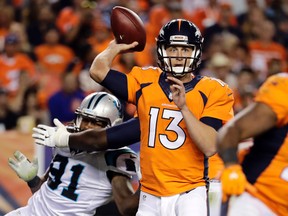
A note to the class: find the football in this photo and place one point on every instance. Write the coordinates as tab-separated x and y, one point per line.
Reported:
128	27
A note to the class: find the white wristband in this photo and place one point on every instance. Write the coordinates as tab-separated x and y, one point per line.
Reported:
61	138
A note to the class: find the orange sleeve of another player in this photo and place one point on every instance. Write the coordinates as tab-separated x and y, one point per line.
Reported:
220	100
274	93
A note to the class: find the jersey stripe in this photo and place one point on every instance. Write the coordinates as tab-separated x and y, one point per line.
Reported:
95	102
139	92
204	97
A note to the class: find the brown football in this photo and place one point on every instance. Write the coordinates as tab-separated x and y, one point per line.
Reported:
128	27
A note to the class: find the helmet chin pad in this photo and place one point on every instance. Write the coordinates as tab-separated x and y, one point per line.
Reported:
179	71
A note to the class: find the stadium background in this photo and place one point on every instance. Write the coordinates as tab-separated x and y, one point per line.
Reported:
13	191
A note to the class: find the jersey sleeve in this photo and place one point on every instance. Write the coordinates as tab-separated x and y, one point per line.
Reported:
123	161
274	93
220	101
134	82
139	78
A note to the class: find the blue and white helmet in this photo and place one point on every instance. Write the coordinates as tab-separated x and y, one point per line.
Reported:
100	106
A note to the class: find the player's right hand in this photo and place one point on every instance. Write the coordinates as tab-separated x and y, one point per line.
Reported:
51	136
25	169
233	181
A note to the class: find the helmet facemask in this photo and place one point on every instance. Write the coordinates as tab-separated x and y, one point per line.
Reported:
103	122
189	65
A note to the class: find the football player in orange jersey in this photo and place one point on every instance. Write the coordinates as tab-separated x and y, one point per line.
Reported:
179	115
261	182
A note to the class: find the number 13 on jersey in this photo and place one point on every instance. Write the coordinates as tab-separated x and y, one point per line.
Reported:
175	118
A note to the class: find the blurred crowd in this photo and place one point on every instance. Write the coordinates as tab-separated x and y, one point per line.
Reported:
47	47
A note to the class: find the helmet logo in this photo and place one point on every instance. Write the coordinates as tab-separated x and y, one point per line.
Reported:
161	31
118	106
179	39
198	33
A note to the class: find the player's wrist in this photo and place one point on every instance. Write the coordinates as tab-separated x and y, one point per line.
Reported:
34	182
184	108
63	139
229	156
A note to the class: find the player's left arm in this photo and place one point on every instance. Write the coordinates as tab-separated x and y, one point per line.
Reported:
126	133
27	170
37	182
253	120
124	196
269	109
203	135
123	164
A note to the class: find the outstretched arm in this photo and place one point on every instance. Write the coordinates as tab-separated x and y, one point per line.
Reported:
118	136
115	137
90	140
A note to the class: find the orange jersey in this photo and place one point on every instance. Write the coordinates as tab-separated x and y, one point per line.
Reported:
170	161
262	53
10	69
216	166
67	19
266	164
54	59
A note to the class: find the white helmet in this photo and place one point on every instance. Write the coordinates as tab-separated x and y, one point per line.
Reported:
100	106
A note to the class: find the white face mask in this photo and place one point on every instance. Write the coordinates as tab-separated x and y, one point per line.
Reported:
170	60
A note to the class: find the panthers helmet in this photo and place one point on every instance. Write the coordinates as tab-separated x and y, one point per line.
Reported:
179	32
100	106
